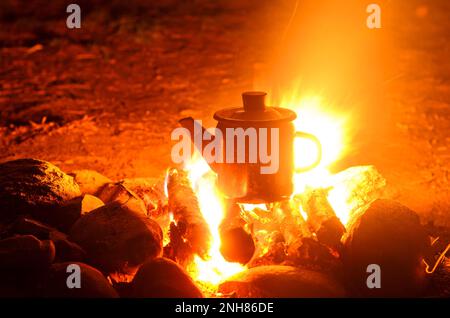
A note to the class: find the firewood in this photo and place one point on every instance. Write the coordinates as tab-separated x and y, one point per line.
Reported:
273	253
322	219
178	249
237	243
184	205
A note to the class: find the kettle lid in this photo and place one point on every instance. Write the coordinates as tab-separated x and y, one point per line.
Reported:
255	109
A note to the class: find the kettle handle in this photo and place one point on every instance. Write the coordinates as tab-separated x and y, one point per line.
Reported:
301	134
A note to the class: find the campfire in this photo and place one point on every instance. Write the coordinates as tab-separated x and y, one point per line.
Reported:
322	204
179	235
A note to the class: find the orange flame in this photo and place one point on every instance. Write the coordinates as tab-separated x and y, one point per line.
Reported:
316	116
215	269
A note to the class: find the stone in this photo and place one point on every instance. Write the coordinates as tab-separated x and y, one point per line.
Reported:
278	281
390	235
90	181
65	250
26	252
163	278
34	187
27	226
117	237
92	283
75	208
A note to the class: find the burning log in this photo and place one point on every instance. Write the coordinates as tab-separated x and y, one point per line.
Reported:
321	218
273	253
148	192
308	253
186	212
237	244
390	235
163	278
355	188
178	248
118	192
292	223
278	281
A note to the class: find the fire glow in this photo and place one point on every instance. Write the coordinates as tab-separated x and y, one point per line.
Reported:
312	118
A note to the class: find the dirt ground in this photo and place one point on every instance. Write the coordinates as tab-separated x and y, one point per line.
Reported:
107	96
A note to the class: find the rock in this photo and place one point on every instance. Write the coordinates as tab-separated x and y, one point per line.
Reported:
277	281
163	278
390	235
117	237
26	252
65	250
35	187
27	226
92	283
90	181
75	208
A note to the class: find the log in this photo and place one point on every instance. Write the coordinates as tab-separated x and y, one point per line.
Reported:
274	251
148	192
308	253
237	243
322	219
184	205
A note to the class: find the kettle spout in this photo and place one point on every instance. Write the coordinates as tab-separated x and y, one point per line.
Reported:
200	137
